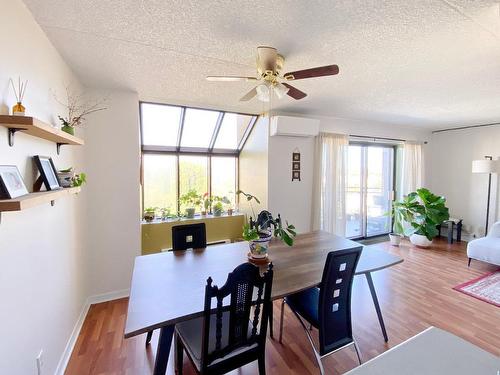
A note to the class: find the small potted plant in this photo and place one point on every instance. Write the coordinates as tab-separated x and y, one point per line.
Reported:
397	233
261	228
78	110
191	200
424	211
218	207
165	213
207	204
69	178
149	214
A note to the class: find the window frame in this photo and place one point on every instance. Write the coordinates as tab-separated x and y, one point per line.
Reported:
199	151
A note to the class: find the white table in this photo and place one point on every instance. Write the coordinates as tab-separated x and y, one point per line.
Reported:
432	352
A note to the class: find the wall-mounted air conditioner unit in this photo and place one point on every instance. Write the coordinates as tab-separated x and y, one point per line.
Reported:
294	126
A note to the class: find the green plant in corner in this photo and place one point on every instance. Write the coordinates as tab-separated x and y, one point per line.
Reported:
423	210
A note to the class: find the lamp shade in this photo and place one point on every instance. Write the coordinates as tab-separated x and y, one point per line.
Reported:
483	166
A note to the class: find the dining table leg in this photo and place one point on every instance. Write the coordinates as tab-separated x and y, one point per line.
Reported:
163	350
377	306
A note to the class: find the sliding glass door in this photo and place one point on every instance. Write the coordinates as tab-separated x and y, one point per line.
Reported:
369	189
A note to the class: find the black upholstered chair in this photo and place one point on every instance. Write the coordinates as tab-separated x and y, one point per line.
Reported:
186	237
228	337
189	236
328	308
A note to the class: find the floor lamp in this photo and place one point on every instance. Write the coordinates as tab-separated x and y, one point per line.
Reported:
486	165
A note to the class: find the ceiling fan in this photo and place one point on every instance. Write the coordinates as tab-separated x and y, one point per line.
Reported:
269	66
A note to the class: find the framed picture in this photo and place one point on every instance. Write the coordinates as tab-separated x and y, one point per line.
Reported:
296	166
11	182
295	175
296	156
48	172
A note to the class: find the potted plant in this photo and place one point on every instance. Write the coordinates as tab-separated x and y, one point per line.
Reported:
424	211
78	110
191	200
165	213
149	214
397	233
261	228
69	178
207	204
218	207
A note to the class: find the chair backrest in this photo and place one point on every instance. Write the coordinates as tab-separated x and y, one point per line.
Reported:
189	236
246	288
335	329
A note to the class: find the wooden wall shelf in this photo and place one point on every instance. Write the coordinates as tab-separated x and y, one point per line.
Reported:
35	199
37	128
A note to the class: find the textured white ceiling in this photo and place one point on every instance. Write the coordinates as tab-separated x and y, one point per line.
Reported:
429	63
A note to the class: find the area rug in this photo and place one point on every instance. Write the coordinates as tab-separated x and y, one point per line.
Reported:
486	288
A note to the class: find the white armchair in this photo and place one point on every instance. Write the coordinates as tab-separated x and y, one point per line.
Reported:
486	249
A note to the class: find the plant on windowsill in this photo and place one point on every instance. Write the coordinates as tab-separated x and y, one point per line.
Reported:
191	200
424	211
218	207
207	204
261	228
149	214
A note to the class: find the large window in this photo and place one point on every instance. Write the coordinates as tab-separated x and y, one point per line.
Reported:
187	149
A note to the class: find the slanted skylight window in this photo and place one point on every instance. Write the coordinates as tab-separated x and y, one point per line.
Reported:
190	149
162	124
199	126
231	131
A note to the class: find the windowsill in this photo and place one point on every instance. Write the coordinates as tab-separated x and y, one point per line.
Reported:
183	219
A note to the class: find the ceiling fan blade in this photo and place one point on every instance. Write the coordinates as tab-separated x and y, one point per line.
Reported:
249	95
230	78
294	93
329	70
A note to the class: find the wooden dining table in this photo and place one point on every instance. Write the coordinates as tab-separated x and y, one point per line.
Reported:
168	288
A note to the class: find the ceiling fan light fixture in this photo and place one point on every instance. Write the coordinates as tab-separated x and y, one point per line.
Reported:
263	93
280	90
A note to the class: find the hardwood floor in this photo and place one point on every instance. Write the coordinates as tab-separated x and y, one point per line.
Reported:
413	296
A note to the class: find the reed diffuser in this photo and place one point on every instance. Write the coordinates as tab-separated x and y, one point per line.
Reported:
19	91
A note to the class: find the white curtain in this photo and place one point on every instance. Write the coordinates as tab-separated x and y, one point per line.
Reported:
412	168
330	168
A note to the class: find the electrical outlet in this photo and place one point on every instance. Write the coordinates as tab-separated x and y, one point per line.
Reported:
39	362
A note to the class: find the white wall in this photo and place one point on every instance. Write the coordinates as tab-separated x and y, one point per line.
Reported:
291	199
253	166
113	166
42	256
449	164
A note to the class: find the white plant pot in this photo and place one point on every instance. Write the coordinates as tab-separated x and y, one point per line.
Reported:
395	239
419	240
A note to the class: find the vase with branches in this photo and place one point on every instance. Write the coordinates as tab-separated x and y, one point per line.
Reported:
78	108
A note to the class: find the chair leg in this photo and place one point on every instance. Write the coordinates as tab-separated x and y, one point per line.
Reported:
468	264
281	318
271	320
179	355
357	351
148	337
262	363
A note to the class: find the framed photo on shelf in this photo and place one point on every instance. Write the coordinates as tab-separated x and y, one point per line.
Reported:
11	182
48	172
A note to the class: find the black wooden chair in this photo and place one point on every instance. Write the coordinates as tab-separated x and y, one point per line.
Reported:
186	237
228	337
328	308
189	236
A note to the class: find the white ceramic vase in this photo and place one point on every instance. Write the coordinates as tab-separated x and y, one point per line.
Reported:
395	239
419	240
